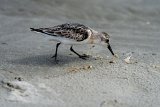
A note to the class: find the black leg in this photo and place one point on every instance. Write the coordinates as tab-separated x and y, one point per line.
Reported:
55	55
84	56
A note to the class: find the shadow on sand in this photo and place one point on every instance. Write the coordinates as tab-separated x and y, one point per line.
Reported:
46	60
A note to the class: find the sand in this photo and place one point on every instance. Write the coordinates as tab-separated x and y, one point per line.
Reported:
29	77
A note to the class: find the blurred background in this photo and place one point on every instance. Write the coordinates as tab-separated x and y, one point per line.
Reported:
131	22
107	11
134	28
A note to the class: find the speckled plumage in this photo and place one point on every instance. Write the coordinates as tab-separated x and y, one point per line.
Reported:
74	31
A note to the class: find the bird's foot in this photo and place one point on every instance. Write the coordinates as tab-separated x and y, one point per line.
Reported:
55	59
84	56
53	56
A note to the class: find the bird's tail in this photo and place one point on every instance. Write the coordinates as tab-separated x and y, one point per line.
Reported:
37	30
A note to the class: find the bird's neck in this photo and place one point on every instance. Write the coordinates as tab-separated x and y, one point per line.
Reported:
95	38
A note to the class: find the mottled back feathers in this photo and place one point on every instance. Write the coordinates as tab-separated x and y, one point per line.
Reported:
75	31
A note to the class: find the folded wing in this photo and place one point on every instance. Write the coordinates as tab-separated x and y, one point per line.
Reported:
75	31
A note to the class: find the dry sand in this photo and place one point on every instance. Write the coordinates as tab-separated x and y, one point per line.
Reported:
29	77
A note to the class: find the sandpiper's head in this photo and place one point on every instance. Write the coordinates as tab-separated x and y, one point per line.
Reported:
105	40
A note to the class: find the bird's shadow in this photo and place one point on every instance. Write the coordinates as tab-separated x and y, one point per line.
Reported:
46	60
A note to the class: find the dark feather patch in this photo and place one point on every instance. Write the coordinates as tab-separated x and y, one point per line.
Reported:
74	31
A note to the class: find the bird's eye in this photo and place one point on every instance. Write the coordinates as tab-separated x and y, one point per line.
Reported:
107	40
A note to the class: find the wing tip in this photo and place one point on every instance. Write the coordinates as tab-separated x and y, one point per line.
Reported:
33	29
37	30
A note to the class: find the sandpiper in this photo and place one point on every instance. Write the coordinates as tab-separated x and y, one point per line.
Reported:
74	34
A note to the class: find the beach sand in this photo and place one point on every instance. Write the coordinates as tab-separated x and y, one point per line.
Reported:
29	77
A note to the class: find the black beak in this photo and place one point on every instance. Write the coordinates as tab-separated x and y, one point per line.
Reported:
110	49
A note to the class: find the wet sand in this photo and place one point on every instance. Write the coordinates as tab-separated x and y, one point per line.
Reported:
29	77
